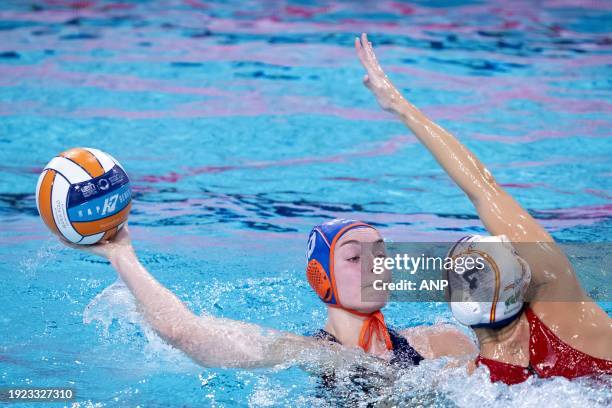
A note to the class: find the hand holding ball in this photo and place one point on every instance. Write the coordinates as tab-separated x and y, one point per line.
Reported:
84	196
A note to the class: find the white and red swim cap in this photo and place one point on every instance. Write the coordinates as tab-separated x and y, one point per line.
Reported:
491	293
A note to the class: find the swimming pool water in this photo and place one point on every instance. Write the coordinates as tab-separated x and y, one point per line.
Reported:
242	124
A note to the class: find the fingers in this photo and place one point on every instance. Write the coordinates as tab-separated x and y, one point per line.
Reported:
123	231
363	42
360	53
371	56
366	55
123	236
367	47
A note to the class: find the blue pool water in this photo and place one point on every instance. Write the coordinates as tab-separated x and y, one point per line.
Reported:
243	124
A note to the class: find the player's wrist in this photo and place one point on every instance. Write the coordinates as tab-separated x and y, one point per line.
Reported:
118	253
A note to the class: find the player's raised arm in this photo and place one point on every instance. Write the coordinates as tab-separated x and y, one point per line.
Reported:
499	212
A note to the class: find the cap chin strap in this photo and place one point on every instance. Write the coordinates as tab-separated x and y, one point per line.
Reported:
373	324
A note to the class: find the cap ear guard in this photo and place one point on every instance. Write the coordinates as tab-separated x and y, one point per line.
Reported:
318	266
318	280
467	313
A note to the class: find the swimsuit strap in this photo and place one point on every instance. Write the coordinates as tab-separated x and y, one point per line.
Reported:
323	334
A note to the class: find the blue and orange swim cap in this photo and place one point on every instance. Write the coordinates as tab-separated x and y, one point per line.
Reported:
321	243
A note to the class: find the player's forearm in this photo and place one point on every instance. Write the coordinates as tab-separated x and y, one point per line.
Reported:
456	159
161	308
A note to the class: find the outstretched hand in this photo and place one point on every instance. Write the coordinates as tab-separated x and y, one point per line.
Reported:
389	98
107	249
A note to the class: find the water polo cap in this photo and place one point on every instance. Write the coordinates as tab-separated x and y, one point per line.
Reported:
492	293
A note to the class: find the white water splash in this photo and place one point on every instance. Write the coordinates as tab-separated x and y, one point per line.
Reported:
46	253
116	311
428	384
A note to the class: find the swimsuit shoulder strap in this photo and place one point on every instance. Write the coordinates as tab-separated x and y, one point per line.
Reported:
404	353
321	334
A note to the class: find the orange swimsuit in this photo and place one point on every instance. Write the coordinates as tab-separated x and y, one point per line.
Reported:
549	356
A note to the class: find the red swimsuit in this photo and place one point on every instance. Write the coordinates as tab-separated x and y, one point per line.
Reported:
549	356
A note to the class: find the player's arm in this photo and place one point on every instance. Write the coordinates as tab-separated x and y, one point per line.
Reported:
499	212
208	340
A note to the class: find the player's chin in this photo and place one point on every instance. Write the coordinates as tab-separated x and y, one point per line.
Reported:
372	298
